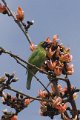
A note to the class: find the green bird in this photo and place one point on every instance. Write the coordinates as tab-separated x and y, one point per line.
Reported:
37	58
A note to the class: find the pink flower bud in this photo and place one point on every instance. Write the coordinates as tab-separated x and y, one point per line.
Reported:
70	69
32	47
51	64
42	94
26	101
14	117
48	40
56	101
55	38
66	57
62	108
58	71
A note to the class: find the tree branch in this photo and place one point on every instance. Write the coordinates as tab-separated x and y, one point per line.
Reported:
18	23
19	60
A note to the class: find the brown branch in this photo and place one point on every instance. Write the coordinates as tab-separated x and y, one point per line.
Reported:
42	90
71	99
18	23
2	50
27	96
23	63
65	116
19	60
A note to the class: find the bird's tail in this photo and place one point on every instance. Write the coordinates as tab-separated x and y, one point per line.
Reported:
28	84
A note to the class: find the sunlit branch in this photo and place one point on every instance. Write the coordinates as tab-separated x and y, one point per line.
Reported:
65	96
71	99
16	57
43	90
18	23
27	96
19	60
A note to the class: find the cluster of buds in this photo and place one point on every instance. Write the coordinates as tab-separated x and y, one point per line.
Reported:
56	104
6	80
18	103
57	63
64	92
52	108
18	16
58	58
8	115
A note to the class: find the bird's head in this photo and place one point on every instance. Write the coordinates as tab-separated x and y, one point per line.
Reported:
44	44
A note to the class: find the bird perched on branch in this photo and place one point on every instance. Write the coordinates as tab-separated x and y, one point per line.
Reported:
37	58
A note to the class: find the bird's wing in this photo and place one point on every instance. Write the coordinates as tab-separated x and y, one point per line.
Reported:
33	56
37	57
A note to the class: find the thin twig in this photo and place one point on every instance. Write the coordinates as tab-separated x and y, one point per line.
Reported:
18	23
27	96
42	90
71	99
18	59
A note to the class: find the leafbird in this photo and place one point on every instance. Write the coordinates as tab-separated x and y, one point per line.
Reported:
37	58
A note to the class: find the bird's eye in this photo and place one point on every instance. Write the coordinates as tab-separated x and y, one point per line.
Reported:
46	45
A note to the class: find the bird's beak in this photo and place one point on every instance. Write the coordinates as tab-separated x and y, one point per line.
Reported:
45	45
48	45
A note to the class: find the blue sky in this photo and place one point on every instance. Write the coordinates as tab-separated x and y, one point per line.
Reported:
51	17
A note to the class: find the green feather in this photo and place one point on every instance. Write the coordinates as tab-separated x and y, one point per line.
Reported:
37	58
